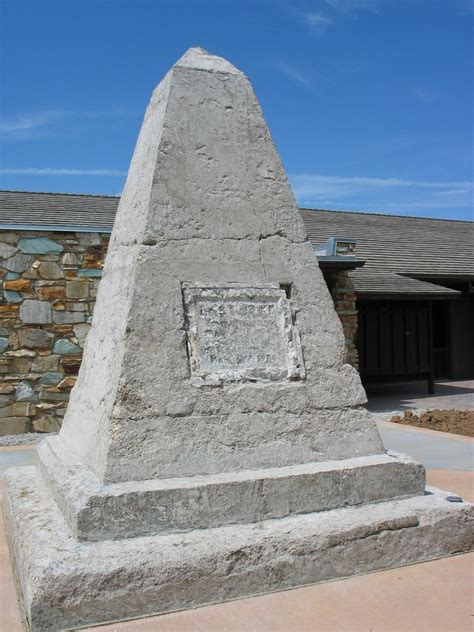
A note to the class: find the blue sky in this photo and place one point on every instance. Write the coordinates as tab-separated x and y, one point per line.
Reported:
369	101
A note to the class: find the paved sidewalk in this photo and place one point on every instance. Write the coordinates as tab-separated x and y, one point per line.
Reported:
414	396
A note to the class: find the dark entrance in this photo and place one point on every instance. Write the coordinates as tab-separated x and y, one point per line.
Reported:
394	340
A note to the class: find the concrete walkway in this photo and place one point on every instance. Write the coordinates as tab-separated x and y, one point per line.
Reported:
414	395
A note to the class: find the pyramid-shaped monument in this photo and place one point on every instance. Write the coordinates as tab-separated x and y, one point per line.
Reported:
216	444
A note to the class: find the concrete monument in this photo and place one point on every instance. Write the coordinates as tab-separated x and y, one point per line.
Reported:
215	445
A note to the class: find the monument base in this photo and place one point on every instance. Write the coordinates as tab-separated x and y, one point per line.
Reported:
66	583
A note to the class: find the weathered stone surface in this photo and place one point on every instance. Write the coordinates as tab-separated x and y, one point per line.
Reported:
25	393
20	353
77	289
35	338
51	378
17	409
14	425
89	239
12	297
70	260
62	317
6	250
45	363
85	583
46	423
9	238
89	273
18	263
39	245
52	292
36	312
18	285
50	270
80	331
3	344
64	346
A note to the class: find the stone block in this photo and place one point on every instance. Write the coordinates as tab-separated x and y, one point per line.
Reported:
90	273
18	285
51	378
4	343
52	292
13	425
89	239
39	245
46	423
35	338
80	331
6	250
36	312
18	263
70	260
66	317
77	289
44	364
20	365
50	270
64	346
25	393
12	297
9	238
18	409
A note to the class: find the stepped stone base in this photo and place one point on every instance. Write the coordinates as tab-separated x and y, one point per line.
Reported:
97	511
66	583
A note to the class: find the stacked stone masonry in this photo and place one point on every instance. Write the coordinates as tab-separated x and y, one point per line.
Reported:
341	286
49	282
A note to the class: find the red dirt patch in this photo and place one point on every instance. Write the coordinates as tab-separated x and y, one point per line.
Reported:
456	421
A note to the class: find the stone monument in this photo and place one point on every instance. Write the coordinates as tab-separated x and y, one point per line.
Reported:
215	445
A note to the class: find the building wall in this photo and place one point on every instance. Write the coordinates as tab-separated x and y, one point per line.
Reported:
49	282
341	286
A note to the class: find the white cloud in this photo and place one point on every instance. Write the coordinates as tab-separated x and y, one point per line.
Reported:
28	125
317	22
28	122
368	192
291	72
47	171
425	94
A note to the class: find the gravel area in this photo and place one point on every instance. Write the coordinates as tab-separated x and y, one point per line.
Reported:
27	438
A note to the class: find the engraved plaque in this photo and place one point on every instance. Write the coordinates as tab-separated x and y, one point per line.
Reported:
241	334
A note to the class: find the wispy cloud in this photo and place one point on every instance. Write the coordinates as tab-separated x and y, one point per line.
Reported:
28	122
291	72
47	171
317	22
32	124
372	193
352	6
425	94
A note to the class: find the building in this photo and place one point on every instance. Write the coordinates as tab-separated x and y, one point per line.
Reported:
408	293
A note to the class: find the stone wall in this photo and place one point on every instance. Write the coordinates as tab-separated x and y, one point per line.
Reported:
49	282
341	286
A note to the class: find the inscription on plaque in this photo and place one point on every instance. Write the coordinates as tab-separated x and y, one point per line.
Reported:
238	334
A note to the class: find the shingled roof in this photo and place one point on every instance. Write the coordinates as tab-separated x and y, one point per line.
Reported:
396	247
399	251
